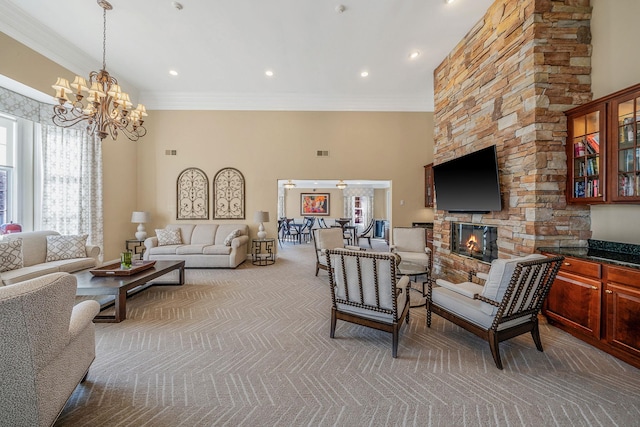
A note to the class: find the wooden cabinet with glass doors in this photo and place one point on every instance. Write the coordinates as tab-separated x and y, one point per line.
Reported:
586	183
603	149
625	148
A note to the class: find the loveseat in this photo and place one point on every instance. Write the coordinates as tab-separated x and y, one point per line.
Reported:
31	254
200	245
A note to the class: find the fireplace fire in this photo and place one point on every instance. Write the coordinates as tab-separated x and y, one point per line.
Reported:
474	241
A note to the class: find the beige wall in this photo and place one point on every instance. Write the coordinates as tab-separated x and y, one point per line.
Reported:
616	66
119	157
267	146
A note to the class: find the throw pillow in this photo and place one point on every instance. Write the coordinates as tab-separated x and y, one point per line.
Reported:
66	247
11	255
235	233
169	237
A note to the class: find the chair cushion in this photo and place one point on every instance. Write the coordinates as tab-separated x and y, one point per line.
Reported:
189	249
163	250
216	250
409	239
472	310
204	234
73	265
11	255
66	247
168	237
500	274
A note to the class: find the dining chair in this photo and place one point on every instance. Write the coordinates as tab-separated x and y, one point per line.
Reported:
367	233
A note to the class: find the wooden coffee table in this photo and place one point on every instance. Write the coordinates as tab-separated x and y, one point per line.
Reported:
122	286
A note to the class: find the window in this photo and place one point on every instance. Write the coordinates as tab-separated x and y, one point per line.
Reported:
8	193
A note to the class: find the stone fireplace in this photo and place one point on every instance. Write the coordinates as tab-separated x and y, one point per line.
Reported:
475	241
508	83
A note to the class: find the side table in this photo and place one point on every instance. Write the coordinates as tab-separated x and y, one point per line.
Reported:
414	271
136	246
262	251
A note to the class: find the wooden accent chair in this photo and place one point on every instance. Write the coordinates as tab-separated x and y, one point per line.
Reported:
367	233
328	238
505	307
365	290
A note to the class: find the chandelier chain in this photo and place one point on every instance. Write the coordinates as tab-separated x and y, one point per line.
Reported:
104	39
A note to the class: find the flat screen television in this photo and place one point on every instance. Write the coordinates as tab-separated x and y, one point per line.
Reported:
469	183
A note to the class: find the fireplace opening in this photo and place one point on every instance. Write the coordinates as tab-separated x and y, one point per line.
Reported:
474	241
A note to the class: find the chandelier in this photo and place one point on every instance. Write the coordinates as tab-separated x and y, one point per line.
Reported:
107	109
341	185
289	185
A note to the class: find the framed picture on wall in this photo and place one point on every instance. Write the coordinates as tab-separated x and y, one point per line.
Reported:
314	204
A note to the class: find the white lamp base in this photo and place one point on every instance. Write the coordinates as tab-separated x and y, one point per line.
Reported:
141	234
261	233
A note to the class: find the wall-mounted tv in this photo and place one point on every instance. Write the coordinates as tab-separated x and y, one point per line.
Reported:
469	183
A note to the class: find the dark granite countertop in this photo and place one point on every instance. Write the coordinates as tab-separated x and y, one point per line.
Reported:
623	254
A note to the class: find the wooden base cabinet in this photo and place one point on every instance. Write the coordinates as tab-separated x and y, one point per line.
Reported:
622	302
600	304
575	302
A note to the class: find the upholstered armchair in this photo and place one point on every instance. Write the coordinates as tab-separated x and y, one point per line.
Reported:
46	347
505	307
411	245
328	238
365	290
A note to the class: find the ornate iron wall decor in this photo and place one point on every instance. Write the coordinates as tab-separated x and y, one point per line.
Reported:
193	194
228	189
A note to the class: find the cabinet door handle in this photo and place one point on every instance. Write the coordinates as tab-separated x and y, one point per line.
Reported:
609	291
595	288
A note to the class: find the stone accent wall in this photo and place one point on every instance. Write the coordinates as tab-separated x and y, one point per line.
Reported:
508	83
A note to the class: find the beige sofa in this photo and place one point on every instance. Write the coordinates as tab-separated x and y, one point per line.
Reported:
34	256
46	347
202	246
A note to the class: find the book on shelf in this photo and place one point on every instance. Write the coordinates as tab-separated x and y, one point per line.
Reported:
579	189
593	143
579	149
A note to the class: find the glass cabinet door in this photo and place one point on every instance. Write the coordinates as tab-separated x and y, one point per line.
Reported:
586	183
626	150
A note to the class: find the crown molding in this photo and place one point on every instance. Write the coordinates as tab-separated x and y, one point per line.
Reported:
21	27
279	102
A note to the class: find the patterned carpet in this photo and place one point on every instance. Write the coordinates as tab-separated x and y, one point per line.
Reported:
251	347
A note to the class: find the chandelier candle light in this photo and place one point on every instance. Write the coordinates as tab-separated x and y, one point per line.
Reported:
107	110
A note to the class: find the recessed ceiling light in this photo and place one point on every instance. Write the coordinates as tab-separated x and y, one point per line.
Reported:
364	74
269	73
414	54
449	1
173	72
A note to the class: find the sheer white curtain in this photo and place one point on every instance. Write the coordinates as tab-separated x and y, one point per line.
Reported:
72	182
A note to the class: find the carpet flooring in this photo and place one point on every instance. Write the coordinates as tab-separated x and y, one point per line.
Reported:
251	347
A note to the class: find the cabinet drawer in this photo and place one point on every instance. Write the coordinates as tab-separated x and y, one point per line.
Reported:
584	268
626	276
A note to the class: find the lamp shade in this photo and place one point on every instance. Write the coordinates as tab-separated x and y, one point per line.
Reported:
140	217
261	216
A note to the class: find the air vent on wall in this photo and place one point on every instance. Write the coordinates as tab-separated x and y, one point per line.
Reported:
322	153
170	152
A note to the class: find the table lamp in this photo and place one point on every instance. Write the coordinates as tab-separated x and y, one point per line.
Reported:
140	218
261	216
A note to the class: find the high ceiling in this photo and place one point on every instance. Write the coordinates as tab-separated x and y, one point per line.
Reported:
221	49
